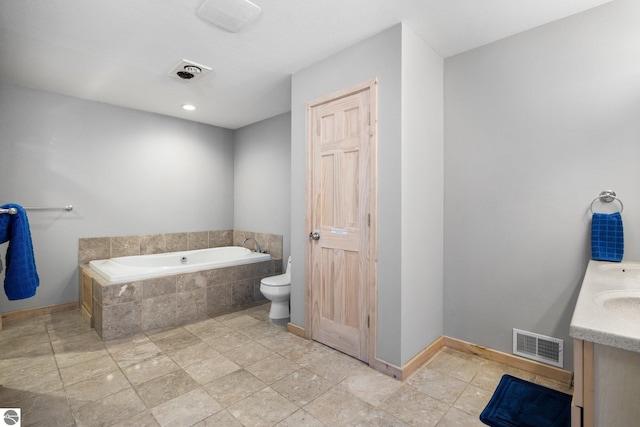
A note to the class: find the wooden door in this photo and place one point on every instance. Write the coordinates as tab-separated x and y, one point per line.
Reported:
341	220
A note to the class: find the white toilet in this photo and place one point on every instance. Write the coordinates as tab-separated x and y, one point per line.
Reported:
277	289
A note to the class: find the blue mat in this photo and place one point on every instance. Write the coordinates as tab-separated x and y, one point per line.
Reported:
520	403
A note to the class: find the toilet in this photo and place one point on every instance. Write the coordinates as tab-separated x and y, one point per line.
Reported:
277	289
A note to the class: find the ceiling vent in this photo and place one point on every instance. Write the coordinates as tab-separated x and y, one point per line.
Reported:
230	15
189	70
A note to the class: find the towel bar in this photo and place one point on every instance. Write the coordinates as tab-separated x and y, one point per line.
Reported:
13	211
607	196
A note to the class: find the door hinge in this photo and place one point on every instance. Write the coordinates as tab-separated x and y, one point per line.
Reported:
368	321
369	220
369	120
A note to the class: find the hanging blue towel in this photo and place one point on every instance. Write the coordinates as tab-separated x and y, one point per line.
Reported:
607	240
21	278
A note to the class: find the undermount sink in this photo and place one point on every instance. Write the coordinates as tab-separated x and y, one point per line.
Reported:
621	303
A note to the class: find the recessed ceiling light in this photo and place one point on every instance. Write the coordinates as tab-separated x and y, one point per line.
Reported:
188	107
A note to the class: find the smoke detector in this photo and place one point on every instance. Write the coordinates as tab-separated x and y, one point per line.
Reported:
189	70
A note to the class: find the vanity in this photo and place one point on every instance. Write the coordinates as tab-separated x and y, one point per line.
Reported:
606	331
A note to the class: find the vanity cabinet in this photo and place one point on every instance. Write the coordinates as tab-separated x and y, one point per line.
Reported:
606	386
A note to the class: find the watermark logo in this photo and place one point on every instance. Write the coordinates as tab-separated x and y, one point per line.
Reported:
10	417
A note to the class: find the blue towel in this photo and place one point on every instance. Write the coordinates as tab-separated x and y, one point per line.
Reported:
21	278
607	240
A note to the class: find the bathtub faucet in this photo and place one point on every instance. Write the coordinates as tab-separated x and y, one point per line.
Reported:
257	244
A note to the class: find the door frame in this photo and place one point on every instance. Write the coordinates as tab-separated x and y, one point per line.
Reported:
372	286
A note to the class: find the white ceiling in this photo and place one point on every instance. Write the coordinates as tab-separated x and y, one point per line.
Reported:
121	51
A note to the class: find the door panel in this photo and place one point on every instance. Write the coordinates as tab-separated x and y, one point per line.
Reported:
341	268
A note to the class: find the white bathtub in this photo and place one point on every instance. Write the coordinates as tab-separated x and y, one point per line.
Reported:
130	268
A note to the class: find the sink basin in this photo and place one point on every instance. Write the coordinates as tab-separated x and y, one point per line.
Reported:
625	304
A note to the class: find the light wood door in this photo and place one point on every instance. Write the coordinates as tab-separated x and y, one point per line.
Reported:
341	206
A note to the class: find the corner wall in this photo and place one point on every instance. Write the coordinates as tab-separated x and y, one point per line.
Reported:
410	182
125	172
378	56
422	207
536	126
262	178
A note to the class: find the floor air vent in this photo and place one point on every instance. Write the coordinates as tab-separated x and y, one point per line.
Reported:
538	347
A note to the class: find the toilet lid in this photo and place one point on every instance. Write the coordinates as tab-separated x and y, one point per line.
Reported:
280	280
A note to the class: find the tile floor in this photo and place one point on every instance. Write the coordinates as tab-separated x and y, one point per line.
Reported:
235	370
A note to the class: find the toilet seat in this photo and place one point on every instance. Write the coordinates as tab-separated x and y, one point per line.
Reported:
280	280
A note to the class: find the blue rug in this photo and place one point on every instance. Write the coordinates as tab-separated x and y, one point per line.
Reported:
520	403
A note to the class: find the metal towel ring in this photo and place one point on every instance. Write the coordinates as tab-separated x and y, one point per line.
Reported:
607	196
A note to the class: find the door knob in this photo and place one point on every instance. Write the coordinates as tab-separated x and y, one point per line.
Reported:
314	235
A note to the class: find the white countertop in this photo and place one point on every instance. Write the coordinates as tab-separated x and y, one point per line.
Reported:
591	321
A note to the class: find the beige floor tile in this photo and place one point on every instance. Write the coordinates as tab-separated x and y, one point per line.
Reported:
241	322
112	409
458	418
234	387
338	407
187	409
301	386
490	374
123	344
335	367
261	330
300	418
369	385
179	339
280	341
261	409
195	353
144	419
96	388
247	354
377	418
149	369
184	378
159	390
272	368
208	329
39	407
219	419
89	369
69	358
35	381
414	407
228	341
208	370
19	366
434	384
136	354
473	400
461	368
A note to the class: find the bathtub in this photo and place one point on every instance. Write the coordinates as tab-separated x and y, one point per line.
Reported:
132	268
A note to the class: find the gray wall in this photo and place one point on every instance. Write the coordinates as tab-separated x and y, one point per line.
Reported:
262	178
422	195
536	126
125	172
410	171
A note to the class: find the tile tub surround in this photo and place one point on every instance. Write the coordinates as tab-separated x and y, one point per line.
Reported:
127	308
123	309
92	248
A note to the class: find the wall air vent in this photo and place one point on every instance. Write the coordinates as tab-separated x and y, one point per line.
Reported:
538	347
189	70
